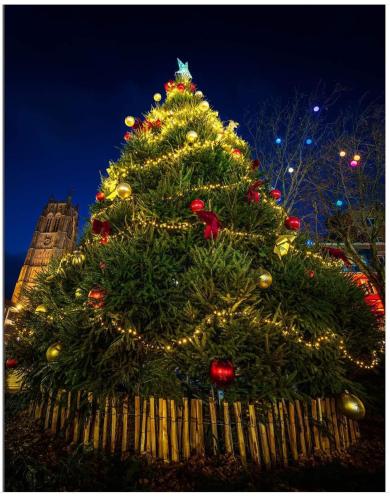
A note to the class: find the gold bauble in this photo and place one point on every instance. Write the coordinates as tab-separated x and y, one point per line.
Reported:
157	97
356	157
192	136
123	190
78	293
265	279
351	406
199	94
41	309
204	105
129	121
53	352
78	257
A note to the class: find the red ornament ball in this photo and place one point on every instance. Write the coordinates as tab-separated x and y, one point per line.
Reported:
102	265
236	152
197	205
96	297
375	303
181	87
104	239
100	196
192	87
293	223
11	363
127	136
222	372
276	194
311	274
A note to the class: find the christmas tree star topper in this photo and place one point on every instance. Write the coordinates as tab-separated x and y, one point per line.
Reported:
183	69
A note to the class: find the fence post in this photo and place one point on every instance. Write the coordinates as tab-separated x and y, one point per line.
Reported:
283	434
137	422
301	428
125	417
174	442
271	435
152	427
293	431
96	426
186	430
214	430
228	431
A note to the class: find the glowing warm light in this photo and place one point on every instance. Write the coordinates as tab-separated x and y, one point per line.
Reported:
356	157
342	154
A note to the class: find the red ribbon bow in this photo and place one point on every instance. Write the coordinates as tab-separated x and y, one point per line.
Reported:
102	228
253	195
212	223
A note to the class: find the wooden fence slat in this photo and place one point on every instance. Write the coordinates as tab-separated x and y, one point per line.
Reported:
152	411
39	407
293	431
323	428
88	420
357	431
125	429
271	435
264	445
283	434
62	409
240	433
301	429
329	419
335	426
142	448
105	423
227	429
200	432
56	407
96	426
48	410
352	431
164	433
186	430
174	440
137	423
193	422
346	433
316	435
76	419
113	424
148	443
307	427
179	411
67	416
253	439
214	428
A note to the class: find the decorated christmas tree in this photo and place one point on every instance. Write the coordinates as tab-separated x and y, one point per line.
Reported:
191	275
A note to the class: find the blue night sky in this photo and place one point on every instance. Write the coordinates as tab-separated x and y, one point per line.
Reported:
72	73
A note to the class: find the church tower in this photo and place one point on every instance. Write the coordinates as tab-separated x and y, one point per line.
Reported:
55	235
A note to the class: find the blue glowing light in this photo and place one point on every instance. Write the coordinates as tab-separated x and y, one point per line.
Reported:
309	243
278	140
316	109
339	203
308	141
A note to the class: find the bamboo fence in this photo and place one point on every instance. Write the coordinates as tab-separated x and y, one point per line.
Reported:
268	434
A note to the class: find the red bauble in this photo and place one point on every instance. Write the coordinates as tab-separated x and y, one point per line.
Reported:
255	164
11	363
127	136
293	223
311	274
197	205
192	87
276	194
102	265
236	152
96	297
181	87
222	372
100	196
104	240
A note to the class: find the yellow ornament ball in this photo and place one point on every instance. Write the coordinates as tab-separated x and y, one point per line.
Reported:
351	406
123	190
129	121
199	94
356	157
41	309
78	258
53	352
192	136
342	154
157	97
265	279
204	105
78	293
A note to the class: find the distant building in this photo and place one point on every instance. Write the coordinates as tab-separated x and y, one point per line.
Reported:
55	235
